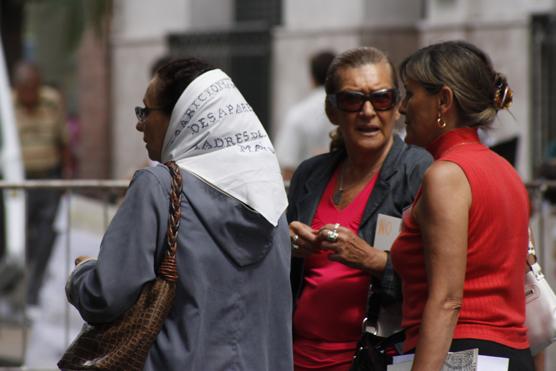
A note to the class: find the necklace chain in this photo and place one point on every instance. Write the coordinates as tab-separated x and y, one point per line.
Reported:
338	193
337	196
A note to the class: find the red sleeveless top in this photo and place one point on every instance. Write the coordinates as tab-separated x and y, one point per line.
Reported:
493	299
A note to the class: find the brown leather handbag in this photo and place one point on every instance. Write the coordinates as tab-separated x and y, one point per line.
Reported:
125	343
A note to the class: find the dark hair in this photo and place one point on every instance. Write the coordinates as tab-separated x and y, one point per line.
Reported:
160	62
319	66
479	91
352	58
175	77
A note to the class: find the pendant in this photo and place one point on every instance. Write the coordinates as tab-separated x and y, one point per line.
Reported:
337	196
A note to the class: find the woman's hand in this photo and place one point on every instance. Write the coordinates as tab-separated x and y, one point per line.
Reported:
304	240
351	250
81	259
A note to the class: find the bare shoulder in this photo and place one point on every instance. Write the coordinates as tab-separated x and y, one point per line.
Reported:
445	185
444	173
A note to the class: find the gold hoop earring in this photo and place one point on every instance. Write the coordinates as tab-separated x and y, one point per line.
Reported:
440	122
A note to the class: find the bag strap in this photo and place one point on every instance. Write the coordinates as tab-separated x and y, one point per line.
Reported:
374	300
167	269
531	254
532	261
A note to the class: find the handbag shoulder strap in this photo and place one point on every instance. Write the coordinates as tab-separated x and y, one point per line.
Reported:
531	244
167	269
532	261
374	300
531	253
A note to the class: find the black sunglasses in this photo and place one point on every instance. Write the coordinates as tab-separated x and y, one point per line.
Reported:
143	112
353	101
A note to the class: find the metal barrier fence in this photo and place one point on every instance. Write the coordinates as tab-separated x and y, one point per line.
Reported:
107	188
15	329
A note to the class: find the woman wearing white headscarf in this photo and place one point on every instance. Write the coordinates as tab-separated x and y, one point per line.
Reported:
232	309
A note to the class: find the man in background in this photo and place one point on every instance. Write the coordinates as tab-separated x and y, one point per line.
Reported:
305	131
41	123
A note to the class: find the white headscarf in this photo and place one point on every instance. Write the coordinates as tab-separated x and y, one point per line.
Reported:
214	134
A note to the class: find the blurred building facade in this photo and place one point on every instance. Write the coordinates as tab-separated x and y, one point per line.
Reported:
264	45
519	36
243	35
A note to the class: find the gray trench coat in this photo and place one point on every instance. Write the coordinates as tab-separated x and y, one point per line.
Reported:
233	301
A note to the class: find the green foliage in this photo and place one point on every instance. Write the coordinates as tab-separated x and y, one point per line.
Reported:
97	12
74	17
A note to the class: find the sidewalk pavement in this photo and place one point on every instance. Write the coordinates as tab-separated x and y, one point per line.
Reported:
54	323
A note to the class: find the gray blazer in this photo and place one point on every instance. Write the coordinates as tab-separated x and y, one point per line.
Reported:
232	309
398	182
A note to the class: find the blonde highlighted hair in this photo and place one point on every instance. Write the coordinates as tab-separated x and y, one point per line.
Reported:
479	91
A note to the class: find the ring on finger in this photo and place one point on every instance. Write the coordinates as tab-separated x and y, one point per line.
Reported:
332	236
295	238
295	247
336	226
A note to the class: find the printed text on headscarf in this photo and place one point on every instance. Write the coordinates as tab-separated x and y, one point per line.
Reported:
210	116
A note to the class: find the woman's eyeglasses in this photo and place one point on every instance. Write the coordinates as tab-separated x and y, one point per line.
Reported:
353	101
143	112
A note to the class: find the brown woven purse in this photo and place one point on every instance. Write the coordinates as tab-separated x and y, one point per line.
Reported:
125	343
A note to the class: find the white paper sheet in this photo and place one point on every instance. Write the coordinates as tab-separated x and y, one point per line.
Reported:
387	229
484	363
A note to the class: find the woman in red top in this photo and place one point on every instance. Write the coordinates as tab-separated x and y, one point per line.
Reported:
334	201
462	249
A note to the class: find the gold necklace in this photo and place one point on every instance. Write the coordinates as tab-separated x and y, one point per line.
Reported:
338	193
337	196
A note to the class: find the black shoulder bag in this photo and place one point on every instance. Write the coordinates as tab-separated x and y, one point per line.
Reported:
375	353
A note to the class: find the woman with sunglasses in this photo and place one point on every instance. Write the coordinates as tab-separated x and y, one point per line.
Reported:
232	309
334	203
462	250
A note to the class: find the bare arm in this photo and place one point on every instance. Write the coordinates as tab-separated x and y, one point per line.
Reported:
442	213
539	360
